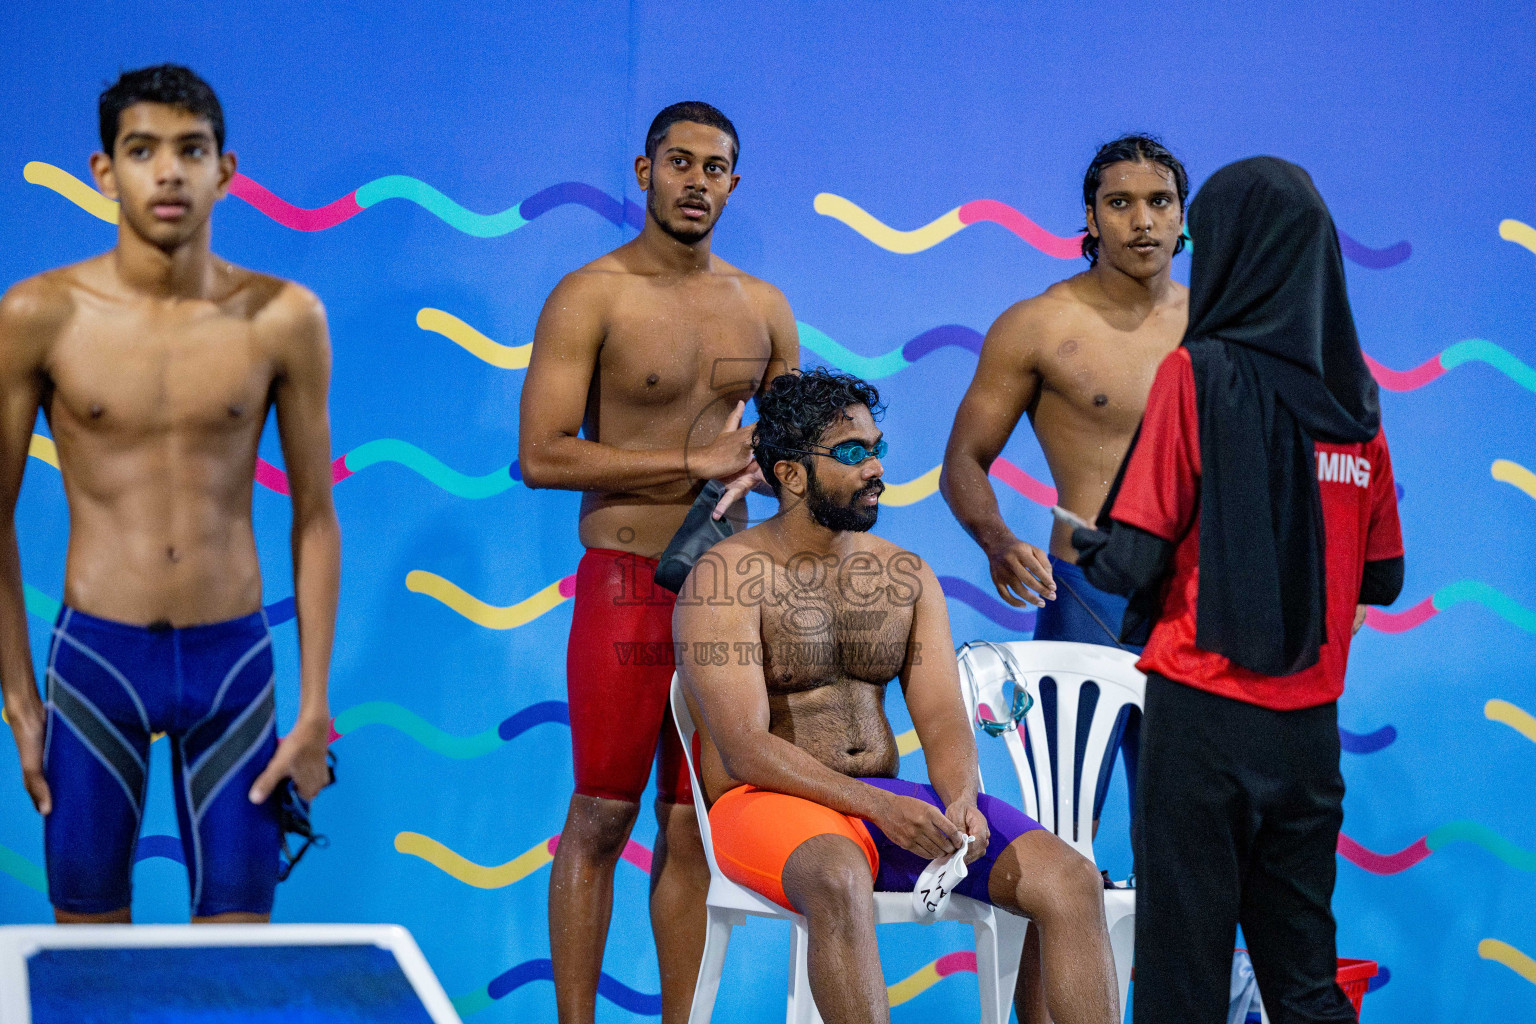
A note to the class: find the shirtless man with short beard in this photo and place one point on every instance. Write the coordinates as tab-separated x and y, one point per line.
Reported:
798	760
156	364
642	362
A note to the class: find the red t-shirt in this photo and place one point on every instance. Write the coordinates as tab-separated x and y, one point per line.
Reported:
1161	494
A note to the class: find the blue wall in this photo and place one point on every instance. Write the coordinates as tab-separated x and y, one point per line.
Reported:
1414	124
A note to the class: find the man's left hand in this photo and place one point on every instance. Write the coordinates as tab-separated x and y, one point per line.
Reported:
301	757
1359	617
967	817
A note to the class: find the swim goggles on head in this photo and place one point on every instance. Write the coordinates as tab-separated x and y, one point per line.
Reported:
849	453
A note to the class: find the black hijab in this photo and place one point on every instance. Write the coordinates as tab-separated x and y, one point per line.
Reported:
1277	366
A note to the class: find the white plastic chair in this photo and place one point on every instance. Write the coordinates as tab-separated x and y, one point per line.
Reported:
999	934
1069	730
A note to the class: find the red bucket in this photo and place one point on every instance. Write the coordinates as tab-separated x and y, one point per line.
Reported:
1355	979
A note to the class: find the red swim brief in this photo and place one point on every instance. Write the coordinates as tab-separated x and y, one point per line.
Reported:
619	666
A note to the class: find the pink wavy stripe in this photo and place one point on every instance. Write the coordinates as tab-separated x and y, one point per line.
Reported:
274	479
636	854
1013	476
288	215
1401	622
953	963
1013	220
568	586
1382	863
1405	380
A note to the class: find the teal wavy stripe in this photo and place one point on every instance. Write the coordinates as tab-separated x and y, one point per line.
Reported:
387	449
379	712
402	186
472	1002
1487	838
40	604
23	870
1478	350
1499	603
868	367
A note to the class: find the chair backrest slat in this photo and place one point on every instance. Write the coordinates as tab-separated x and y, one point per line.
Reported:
1080	691
686	731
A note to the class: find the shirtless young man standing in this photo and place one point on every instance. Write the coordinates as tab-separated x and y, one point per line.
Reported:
156	364
1079	359
641	365
816	617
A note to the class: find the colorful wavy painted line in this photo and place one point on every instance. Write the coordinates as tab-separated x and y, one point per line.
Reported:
488	615
929	975
1509	956
1514	716
372	453
608	987
499	876
507	357
460	748
1472	350
894	361
394	186
1438	838
23	870
990	210
1515	475
1006	472
1501	604
1519	233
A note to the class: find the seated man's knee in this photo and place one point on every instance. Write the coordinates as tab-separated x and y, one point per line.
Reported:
829	875
1075	881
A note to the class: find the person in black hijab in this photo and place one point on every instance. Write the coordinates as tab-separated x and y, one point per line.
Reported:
1253	519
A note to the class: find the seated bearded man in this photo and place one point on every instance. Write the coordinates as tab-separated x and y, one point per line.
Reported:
815	617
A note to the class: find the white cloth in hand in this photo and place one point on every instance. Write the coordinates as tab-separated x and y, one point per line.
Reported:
931	894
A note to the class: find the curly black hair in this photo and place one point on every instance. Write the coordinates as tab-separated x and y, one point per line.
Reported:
170	84
798	407
1130	149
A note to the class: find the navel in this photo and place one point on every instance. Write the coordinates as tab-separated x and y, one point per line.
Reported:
172	555
1100	401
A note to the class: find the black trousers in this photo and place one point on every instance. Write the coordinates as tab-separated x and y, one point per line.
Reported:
1238	810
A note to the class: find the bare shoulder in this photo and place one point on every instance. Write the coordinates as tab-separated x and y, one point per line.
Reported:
286	309
591	286
39	305
767	297
1024	326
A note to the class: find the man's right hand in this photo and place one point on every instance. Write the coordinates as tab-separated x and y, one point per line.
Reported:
1021	573
29	725
727	455
916	826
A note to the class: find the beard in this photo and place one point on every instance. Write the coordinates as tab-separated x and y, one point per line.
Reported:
688	234
842	518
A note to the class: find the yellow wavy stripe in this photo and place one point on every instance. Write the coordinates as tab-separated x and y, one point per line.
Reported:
508	357
1517	718
1514	474
1520	234
467	871
912	491
904	242
71	188
43	448
907	742
1509	956
476	610
913	985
